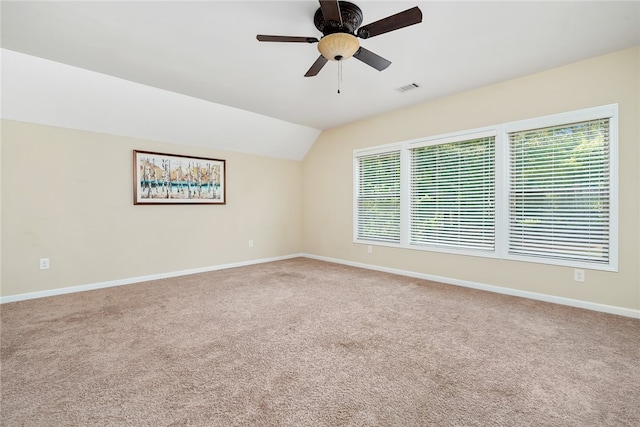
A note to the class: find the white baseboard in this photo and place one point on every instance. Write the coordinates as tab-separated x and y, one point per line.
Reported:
621	311
121	282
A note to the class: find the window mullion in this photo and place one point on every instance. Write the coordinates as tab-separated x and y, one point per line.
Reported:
502	193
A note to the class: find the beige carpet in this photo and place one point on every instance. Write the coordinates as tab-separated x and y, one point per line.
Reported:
308	343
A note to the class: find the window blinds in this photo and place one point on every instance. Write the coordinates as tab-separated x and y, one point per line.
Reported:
378	197
559	192
452	195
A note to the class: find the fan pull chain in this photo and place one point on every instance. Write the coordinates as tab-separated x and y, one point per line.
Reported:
339	74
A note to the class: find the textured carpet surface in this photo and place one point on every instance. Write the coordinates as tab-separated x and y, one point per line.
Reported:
308	343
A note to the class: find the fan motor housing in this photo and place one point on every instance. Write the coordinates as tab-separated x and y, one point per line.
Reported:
351	20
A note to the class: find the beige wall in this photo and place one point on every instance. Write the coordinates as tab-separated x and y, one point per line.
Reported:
67	195
328	181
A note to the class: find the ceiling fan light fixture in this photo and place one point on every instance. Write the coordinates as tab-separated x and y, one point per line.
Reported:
338	46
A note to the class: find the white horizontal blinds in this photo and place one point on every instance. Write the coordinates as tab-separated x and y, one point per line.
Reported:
378	200
453	195
559	192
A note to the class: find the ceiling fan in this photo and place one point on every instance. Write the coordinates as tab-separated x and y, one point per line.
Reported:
339	22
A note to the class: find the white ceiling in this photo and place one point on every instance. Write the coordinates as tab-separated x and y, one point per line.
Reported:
207	50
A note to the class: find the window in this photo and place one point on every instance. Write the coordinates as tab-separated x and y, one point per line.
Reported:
378	197
539	190
559	192
453	194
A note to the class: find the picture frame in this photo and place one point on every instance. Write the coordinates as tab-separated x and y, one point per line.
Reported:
173	179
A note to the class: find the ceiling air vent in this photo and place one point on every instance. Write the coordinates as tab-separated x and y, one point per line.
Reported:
408	87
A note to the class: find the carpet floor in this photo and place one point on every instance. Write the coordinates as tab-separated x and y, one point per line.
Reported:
303	342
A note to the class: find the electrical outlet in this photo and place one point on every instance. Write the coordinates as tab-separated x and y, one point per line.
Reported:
578	275
44	263
370	249
250	243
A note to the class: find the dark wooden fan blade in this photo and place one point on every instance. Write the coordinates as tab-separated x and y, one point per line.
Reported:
331	11
289	39
317	66
370	58
390	23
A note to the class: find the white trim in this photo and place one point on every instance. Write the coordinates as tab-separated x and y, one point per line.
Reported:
378	149
453	137
621	311
502	194
614	196
132	280
593	113
611	309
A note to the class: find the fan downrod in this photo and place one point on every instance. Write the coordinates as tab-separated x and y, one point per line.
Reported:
351	20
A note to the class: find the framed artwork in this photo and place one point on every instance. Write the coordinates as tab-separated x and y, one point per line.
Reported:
161	179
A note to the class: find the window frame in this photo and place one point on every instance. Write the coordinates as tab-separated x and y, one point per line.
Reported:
567	118
501	187
381	151
451	138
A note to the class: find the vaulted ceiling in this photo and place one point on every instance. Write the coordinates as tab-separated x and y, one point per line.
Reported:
205	54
